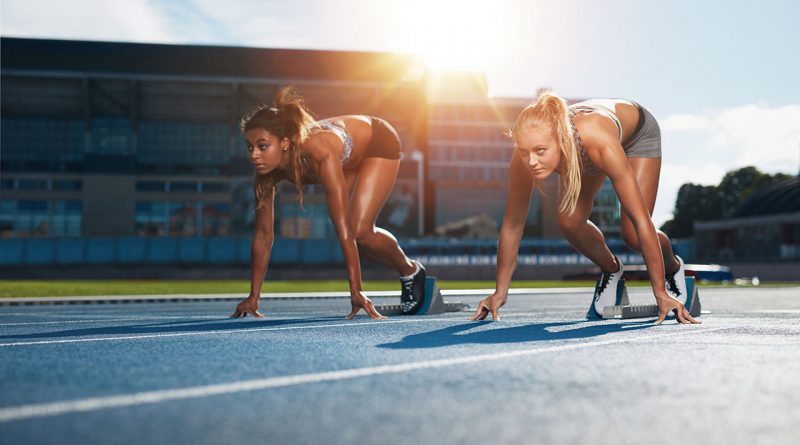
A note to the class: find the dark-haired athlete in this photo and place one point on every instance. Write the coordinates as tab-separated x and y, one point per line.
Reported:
356	160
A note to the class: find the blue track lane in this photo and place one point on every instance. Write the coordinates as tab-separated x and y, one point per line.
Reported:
184	373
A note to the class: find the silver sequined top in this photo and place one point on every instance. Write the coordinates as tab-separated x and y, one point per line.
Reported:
340	131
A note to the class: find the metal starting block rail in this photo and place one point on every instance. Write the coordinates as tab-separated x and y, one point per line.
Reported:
624	309
433	304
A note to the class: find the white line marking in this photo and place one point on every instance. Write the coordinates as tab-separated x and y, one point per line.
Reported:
148	397
101	317
231	331
106	320
280	295
775	311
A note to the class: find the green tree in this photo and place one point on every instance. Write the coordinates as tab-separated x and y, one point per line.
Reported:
704	203
738	185
694	203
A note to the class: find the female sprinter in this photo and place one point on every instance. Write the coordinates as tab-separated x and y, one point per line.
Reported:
584	143
356	159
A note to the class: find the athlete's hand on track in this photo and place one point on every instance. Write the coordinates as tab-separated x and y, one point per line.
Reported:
360	301
669	304
490	304
247	306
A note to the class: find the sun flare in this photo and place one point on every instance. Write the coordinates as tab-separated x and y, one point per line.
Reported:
451	35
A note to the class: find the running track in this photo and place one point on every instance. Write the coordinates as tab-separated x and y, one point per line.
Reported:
181	372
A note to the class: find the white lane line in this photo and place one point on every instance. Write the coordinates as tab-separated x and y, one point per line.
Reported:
183	334
105	317
115	320
276	295
149	397
231	331
774	311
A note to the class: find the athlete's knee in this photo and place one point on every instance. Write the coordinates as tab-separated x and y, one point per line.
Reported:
364	235
570	223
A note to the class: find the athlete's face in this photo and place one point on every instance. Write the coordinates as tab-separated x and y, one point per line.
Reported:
265	150
539	150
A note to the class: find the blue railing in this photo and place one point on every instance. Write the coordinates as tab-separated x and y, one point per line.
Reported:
40	251
236	250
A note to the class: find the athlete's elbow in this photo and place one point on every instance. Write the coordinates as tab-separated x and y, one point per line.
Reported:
263	238
513	229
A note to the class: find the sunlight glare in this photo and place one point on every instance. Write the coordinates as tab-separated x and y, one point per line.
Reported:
451	35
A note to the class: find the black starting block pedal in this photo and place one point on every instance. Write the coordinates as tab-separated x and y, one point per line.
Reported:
433	304
623	309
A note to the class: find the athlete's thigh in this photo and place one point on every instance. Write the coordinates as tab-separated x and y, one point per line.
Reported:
373	185
648	173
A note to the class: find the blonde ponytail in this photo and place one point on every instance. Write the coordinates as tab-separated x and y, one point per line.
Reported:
550	113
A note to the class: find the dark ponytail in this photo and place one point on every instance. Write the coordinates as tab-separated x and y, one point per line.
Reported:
287	118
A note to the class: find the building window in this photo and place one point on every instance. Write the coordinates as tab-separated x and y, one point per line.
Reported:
312	221
151	218
112	136
67	218
32	184
161	218
32	218
37	139
185	143
183	219
8	210
216	219
35	218
151	186
182	186
215	187
67	185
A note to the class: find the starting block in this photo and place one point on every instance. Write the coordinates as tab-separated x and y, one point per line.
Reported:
433	304
624	309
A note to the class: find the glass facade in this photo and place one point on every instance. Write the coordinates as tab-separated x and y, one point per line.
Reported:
67	216
165	150
606	211
39	218
310	221
184	143
193	218
468	163
215	219
42	144
112	136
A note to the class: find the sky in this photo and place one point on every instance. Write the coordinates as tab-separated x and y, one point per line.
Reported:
722	77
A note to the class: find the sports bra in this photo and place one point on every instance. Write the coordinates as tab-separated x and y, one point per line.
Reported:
606	108
602	106
340	131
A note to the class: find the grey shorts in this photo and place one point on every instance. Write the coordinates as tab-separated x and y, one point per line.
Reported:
646	139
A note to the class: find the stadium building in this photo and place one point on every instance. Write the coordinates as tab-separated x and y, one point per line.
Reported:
132	153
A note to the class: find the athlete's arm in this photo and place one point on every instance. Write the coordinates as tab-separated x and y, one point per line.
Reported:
520	187
604	151
260	248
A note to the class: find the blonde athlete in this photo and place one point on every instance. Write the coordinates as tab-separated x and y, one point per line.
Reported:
584	143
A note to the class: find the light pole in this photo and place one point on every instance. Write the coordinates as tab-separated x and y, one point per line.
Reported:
419	158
